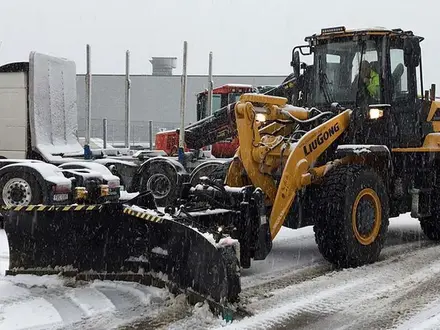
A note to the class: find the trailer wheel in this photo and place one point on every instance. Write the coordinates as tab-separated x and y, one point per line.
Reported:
352	216
221	171
161	179
20	189
212	168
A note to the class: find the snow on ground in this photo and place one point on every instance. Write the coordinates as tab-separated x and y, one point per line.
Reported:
33	302
293	288
4	252
126	196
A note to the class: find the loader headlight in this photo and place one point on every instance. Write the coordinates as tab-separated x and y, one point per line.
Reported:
375	113
261	117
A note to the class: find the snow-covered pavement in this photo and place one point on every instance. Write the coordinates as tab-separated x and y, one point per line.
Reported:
294	288
31	302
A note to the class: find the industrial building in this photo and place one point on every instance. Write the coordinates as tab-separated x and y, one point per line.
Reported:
154	97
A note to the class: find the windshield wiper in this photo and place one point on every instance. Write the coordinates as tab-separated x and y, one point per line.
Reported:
324	84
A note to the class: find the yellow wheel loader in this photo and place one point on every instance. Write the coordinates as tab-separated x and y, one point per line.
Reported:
355	143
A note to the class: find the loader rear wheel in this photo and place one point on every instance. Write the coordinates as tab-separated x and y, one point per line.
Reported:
431	227
19	189
352	218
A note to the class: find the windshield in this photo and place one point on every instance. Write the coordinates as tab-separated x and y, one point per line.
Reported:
338	65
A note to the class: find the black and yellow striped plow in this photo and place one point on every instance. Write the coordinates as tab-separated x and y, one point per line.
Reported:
115	238
142	215
49	208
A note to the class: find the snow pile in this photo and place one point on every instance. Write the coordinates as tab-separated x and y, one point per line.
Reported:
428	318
37	313
146	295
4	252
11	292
126	196
32	281
201	318
136	208
34	302
159	250
90	301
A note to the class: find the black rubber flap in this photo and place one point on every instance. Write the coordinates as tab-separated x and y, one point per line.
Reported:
113	238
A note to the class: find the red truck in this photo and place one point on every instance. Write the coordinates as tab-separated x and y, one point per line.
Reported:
222	96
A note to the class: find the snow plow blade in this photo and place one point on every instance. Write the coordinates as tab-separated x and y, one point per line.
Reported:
110	240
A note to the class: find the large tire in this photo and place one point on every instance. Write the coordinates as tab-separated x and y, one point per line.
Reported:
221	171
161	180
431	225
205	169
353	216
20	189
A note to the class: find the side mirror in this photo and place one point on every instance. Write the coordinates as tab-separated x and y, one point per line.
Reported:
407	51
412	52
417	53
296	63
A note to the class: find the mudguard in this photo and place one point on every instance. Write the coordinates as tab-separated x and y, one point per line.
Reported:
378	156
362	149
111	239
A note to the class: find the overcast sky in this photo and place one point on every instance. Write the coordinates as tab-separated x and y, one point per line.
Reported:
246	36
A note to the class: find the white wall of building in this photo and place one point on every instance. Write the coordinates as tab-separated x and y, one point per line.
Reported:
155	98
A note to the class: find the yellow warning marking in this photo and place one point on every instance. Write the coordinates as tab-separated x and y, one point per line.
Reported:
48	208
143	215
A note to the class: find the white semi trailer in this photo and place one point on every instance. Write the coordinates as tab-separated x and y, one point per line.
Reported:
40	154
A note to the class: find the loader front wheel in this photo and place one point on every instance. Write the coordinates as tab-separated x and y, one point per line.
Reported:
352	218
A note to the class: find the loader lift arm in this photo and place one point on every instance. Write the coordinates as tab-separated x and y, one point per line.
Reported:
258	151
279	147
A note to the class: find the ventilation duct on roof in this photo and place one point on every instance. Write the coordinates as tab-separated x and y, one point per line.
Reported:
163	66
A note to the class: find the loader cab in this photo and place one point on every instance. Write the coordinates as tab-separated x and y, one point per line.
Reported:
373	72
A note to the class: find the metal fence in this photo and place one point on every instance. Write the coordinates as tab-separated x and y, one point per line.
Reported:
140	130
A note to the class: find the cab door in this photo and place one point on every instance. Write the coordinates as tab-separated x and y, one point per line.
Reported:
405	108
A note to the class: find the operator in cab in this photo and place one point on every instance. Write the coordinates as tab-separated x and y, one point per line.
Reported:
370	80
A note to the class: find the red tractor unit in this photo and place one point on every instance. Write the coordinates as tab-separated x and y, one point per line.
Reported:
168	141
